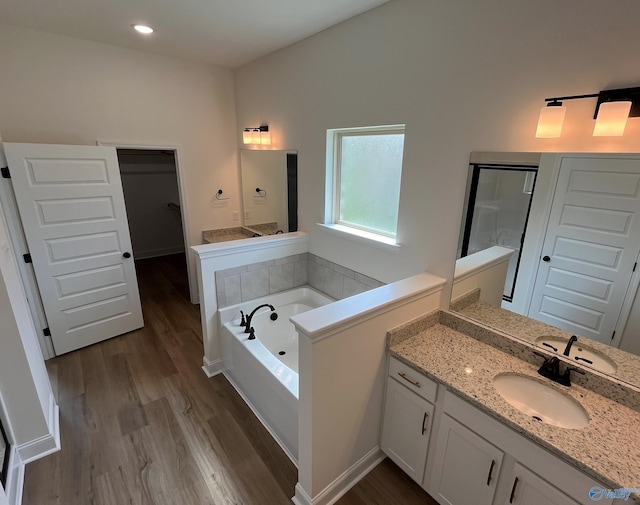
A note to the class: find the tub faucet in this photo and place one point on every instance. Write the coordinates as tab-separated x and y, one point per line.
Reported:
247	328
569	344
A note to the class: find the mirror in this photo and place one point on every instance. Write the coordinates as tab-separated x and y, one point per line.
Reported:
548	249
269	190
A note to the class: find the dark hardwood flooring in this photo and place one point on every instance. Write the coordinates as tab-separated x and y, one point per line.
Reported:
141	424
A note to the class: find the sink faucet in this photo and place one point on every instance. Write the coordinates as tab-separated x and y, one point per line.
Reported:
551	370
569	344
247	328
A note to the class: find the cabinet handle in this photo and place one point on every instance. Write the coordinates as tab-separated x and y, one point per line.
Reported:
424	422
402	374
493	463
513	490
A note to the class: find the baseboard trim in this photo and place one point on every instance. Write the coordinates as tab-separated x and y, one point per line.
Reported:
46	444
349	478
15	478
300	497
262	420
212	368
156	253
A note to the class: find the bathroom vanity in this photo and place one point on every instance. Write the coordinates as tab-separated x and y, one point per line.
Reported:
447	426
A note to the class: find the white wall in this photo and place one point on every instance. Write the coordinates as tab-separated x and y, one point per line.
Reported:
58	89
27	404
630	341
340	412
462	76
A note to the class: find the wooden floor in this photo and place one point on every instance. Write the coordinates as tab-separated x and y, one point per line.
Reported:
141	424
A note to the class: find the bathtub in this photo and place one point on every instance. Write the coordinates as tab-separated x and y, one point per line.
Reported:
264	371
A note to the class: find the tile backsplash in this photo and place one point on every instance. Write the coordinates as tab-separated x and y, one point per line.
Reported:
248	282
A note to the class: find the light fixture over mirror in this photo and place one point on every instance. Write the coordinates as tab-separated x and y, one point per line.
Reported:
612	119
259	135
613	108
551	120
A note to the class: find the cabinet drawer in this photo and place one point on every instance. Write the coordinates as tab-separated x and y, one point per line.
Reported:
424	387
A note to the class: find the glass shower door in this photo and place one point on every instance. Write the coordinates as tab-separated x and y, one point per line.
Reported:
497	213
4	456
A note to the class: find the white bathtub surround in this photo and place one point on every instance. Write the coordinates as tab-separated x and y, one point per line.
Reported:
224	255
248	282
267	381
342	371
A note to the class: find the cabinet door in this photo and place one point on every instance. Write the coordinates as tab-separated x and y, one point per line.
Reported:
406	429
529	489
466	466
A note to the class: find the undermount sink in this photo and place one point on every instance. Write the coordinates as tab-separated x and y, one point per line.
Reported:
580	353
541	401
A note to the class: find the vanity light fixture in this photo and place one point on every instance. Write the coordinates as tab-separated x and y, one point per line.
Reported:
144	29
613	108
260	135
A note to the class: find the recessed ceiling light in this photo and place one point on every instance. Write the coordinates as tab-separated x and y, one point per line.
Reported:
143	29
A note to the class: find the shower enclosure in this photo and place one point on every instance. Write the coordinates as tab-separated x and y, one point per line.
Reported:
4	456
497	210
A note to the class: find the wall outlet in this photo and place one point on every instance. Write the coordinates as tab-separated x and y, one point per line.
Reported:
247	214
235	215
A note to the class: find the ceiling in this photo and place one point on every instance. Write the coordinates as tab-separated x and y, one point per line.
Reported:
229	33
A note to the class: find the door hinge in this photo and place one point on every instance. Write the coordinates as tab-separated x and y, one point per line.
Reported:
5	173
27	258
634	266
47	332
614	334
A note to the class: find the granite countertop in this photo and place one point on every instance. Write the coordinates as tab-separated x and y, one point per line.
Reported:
607	449
238	233
224	235
628	365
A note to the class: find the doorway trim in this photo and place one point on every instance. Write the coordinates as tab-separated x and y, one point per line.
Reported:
191	272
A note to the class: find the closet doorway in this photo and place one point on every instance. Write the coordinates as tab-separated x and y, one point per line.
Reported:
152	197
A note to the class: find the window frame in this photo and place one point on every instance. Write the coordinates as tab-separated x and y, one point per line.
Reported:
334	171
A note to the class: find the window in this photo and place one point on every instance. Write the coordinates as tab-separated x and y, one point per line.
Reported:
365	178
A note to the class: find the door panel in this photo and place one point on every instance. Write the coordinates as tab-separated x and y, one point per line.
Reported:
406	429
72	209
529	489
591	246
466	466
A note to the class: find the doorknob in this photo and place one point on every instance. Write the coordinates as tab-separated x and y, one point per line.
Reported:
546	259
126	255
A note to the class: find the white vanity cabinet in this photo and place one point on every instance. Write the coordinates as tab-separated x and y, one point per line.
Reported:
466	467
470	457
407	419
529	489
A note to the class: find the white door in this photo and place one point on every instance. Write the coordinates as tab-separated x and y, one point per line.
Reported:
72	209
590	247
